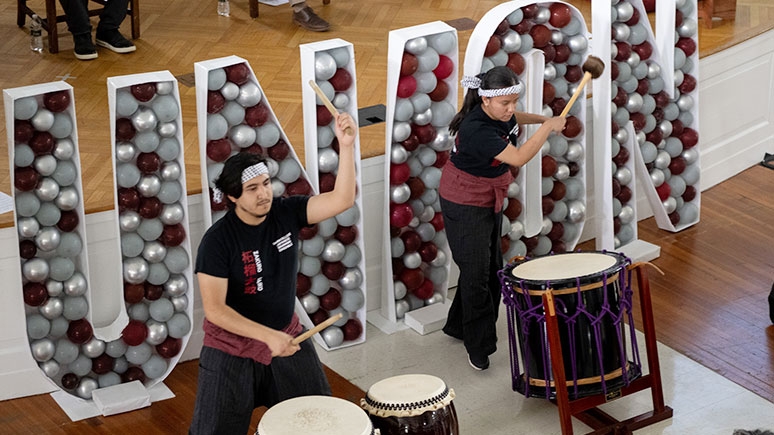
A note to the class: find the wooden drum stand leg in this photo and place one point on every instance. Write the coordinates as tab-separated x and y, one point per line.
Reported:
585	408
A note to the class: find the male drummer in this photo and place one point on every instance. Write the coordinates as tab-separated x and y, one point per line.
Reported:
246	266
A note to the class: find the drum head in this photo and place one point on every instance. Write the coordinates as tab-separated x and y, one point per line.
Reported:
407	395
566	268
322	415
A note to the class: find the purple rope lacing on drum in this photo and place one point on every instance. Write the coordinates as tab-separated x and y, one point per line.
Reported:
528	314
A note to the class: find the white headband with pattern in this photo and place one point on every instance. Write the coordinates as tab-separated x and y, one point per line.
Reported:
248	174
473	82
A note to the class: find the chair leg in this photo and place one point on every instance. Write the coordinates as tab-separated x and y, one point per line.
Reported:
253	8
21	14
53	36
135	17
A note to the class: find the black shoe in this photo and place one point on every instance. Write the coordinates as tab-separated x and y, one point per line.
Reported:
84	48
307	19
113	40
478	363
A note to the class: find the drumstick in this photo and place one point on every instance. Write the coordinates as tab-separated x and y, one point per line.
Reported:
322	325
593	68
327	103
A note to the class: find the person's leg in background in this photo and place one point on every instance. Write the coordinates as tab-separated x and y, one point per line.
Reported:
304	16
110	20
79	26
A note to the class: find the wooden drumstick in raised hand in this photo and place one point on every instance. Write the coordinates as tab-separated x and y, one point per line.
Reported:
592	68
328	104
319	327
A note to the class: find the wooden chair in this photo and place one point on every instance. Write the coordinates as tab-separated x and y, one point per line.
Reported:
723	9
254	7
50	18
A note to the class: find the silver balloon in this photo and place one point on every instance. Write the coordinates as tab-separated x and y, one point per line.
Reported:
177	285
310	303
42	120
242	135
93	348
144	120
67	199
167	129
574	152
48	238
52	308
154	251
423	118
129	220
333	251
443	141
45	165
669	204
417	45
50	368
327	160
324	66
401	131
511	41
149	185
439	260
135	270
27	226
657	177
54	288
341	101
35	270
626	215
624	175
333	336
43	349
398	154
125	152
180	303
576	211
171	171
172	214
401	308
412	260
351	279
86	387
76	285
157	332
662	160
249	94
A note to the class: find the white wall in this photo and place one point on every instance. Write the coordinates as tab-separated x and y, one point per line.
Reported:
736	92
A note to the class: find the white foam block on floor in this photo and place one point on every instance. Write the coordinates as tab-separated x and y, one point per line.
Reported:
428	319
121	398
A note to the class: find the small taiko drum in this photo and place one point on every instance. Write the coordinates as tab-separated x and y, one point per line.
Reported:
593	299
319	415
411	404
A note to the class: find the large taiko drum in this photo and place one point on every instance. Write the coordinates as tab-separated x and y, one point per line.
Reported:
593	302
411	404
319	415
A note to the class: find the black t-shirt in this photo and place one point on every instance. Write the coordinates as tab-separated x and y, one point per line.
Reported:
479	139
259	261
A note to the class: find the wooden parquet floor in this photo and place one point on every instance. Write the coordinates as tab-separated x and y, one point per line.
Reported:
710	305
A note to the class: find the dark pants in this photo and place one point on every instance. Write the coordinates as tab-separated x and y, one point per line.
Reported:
78	16
474	239
230	387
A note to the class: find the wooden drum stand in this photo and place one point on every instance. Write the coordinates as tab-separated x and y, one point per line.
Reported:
585	408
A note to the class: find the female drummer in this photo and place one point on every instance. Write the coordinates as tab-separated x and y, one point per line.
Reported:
473	185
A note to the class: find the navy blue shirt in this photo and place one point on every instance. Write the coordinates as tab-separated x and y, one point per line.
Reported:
260	261
479	139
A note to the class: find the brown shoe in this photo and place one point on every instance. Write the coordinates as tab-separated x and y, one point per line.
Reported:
307	19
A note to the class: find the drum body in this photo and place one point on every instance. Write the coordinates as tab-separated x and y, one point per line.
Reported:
593	302
411	404
320	415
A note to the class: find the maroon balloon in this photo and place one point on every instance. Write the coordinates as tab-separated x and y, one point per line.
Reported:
134	333
219	150
440	92
346	235
26	179
408	64
70	381
674	217
412	278
57	101
400	215
626	195
441	157
493	45
148	163
516	63
132	374
541	35
411	240
42	142
688	84
35	294
557	231
688	45
144	91
68	221
644	50
318	317
425	289
153	291
150	208
547	204
279	151
445	67
425	133
257	115
677	165
663	190
80	331
412	143
399	173
324	116
331	299
102	364
215	101
170	347
558	191
416	186
327	182
307	233
549	92
303	284
124	129
574	168
514	208
238	73
341	80
22	131
352	330
624	50
407	85
689	137
560	14
623	156
133	293
437	221
333	270
572	127
299	187
173	235
505	244
689	194
428	251
573	74
548	166
27	249
562	52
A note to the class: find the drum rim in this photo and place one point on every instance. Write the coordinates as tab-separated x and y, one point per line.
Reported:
567	283
410	409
